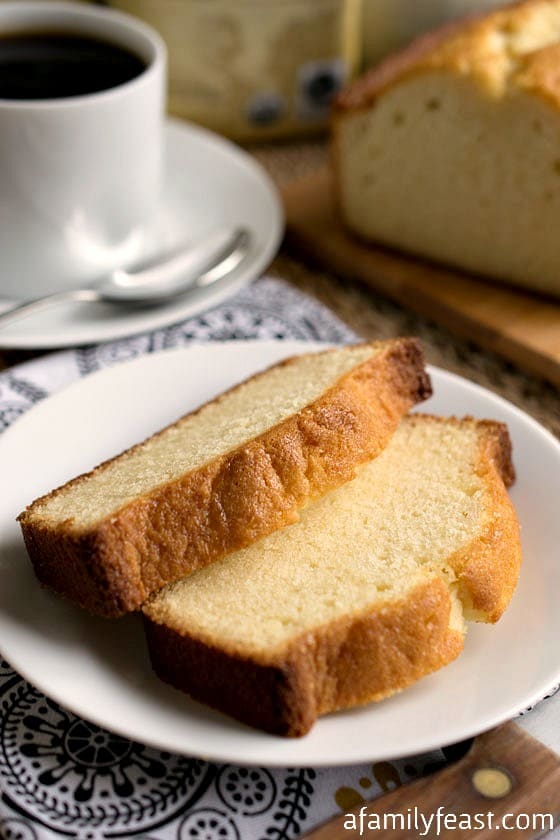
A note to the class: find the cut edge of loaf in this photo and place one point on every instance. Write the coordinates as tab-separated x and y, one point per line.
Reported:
362	92
464	48
112	568
358	659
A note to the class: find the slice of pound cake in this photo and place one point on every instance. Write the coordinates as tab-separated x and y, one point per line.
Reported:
450	148
367	593
235	470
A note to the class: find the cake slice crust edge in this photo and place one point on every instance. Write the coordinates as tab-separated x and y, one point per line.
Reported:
113	568
360	658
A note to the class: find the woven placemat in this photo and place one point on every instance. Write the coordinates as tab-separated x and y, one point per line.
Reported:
373	316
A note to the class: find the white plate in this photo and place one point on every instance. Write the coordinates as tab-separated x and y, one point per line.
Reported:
100	670
208	181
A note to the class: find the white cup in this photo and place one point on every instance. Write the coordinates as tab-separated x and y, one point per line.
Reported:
78	175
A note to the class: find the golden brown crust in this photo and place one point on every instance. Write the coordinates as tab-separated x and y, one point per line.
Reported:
540	74
481	47
363	91
352	661
497	449
235	499
488	569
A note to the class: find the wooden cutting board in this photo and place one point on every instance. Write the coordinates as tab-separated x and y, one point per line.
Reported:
506	773
523	328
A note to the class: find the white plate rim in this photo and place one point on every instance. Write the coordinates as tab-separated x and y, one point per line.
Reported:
422	744
135	323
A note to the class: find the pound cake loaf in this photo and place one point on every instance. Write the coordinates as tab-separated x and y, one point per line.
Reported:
235	470
367	593
449	149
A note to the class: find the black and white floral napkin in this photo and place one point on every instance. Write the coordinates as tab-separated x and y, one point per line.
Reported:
62	777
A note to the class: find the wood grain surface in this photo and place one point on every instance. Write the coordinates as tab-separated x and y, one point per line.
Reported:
521	327
532	774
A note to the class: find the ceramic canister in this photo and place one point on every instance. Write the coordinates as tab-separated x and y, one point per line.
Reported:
255	70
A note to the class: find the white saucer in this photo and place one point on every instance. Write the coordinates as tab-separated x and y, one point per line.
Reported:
208	181
100	670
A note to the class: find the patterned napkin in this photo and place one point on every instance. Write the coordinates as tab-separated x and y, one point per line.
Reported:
63	777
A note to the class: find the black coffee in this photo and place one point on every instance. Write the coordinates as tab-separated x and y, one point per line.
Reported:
54	65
